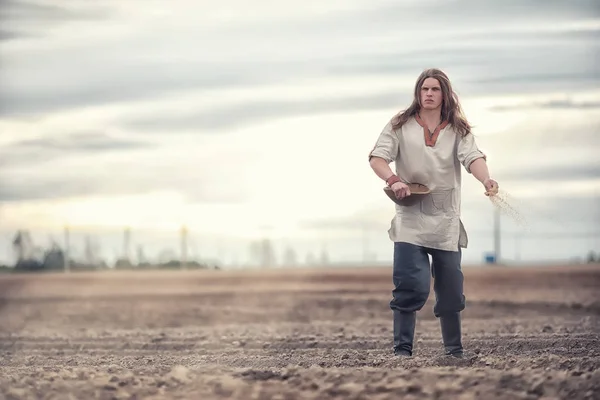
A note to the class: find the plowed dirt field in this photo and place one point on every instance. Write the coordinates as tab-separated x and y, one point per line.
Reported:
293	334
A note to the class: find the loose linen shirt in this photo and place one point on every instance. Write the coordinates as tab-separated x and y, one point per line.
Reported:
435	160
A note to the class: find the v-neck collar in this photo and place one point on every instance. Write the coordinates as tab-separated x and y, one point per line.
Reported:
430	139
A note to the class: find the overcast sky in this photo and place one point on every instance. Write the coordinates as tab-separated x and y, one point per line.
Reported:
248	118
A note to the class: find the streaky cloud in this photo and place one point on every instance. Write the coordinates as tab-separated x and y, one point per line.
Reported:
35	11
242	114
47	148
552	173
552	104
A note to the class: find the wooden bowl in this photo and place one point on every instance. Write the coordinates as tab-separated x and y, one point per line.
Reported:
417	191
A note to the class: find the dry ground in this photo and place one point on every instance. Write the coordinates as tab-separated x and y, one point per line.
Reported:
302	334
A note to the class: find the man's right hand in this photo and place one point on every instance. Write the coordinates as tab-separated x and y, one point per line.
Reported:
401	190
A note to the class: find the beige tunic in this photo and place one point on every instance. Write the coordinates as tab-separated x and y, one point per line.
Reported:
434	161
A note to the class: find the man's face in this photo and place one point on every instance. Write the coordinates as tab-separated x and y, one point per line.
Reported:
431	94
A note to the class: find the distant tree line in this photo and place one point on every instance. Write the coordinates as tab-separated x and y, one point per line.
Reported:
31	258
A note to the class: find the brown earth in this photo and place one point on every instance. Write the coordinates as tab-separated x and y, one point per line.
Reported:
293	334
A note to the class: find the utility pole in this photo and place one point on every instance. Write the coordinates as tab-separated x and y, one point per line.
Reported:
184	249
67	265
220	252
497	236
126	244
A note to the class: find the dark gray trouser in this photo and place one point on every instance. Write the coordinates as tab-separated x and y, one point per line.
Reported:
412	280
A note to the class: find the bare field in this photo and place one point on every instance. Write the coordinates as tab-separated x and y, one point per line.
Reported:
293	334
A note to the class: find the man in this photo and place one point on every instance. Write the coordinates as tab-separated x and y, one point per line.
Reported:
429	143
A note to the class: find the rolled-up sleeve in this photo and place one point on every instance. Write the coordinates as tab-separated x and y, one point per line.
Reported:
386	146
467	151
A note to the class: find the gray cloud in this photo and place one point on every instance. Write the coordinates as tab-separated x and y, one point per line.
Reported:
33	170
552	173
135	82
36	189
132	69
490	69
32	151
484	11
530	139
129	83
461	14
412	60
241	114
27	10
88	142
39	12
583	35
554	104
22	19
61	184
28	187
10	34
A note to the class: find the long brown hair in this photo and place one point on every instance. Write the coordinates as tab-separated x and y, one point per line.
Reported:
451	109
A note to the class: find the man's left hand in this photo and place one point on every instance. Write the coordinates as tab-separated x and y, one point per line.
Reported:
491	187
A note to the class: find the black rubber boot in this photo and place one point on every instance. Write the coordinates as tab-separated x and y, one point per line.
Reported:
451	334
404	332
